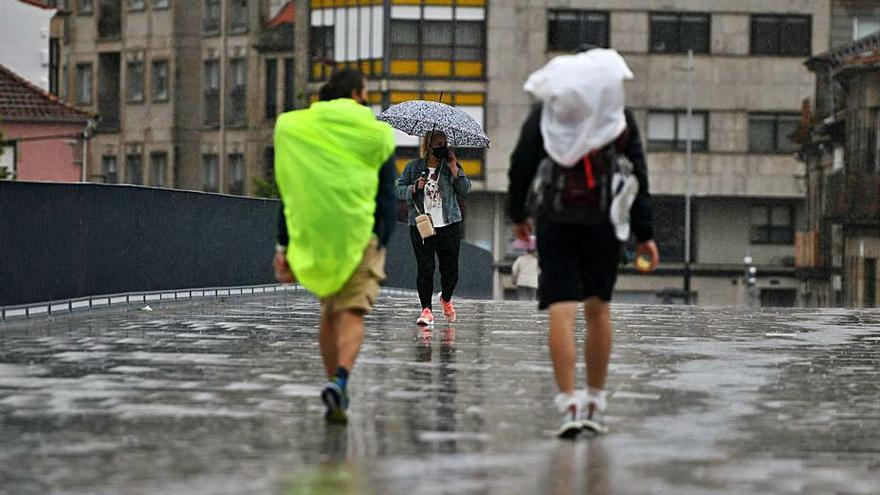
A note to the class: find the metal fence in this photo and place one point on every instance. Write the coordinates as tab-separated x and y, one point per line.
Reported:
67	241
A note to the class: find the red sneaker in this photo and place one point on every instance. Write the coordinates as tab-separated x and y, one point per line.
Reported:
448	310
426	318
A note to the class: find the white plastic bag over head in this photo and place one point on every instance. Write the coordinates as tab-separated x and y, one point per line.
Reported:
583	100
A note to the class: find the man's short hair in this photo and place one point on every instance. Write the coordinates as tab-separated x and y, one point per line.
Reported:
342	83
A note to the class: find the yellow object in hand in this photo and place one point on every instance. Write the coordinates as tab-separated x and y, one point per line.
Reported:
643	264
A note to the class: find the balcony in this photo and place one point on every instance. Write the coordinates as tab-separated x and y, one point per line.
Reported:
852	197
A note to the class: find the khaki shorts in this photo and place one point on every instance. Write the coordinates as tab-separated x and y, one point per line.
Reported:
361	290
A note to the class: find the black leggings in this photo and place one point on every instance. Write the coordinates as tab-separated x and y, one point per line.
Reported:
446	245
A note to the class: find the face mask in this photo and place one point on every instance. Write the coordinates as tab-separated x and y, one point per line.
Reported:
440	153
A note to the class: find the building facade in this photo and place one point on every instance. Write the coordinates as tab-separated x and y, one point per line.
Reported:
748	87
177	86
191	89
839	246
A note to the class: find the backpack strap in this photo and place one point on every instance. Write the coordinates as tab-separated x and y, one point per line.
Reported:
588	171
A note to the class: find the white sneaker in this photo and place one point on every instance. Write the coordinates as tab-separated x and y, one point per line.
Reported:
570	425
593	420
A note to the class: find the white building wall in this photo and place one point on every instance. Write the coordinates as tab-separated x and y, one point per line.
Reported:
25	34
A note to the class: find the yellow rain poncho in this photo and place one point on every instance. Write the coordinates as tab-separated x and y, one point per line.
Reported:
327	162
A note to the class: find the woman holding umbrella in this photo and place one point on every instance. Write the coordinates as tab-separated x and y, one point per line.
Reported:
433	184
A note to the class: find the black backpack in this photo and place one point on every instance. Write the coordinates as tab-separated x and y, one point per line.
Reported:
580	194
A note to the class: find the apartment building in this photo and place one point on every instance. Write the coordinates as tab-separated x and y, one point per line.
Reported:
747	92
178	88
839	245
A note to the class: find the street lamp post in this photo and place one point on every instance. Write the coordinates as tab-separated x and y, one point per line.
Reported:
688	166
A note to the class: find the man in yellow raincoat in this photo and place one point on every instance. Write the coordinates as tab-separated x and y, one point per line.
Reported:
334	166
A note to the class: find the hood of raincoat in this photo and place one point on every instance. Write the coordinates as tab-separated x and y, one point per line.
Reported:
583	102
327	162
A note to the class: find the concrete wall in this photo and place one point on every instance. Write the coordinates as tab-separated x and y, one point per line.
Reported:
25	47
723	235
51	160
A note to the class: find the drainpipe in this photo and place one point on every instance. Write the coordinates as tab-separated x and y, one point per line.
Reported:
224	91
87	134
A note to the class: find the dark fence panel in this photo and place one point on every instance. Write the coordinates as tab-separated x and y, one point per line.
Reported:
475	267
61	241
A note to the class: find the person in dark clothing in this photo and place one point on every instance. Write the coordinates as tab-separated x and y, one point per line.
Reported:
578	263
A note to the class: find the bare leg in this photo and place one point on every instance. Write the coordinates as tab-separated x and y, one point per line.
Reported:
562	348
598	343
349	330
341	337
327	343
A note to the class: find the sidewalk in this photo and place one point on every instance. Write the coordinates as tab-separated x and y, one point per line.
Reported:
221	396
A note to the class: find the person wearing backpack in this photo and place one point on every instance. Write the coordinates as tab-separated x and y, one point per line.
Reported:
567	172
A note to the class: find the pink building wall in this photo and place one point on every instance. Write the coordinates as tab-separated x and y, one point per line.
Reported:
52	160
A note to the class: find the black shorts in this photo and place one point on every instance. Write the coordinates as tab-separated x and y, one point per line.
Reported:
577	262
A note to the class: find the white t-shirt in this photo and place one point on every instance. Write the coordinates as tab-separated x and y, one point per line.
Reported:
433	202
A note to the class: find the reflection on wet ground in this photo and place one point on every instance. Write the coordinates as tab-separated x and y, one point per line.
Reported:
222	397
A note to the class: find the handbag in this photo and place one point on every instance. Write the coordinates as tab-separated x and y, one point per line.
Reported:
423	221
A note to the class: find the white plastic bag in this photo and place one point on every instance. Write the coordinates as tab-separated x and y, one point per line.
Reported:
583	100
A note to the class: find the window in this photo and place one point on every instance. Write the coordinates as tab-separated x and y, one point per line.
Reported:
210	166
135	4
238	17
108	167
469	41
134	169
321	51
159	168
865	26
160	80
771	224
678	33
271	88
288	84
404	39
211	93
236	173
85	7
781	35
109	19
84	84
8	159
669	228
211	21
569	29
237	115
771	133
438	48
668	131
136	82
160	4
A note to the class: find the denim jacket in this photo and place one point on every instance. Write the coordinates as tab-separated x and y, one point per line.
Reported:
451	188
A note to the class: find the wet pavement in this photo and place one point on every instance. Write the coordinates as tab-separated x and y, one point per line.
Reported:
221	396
